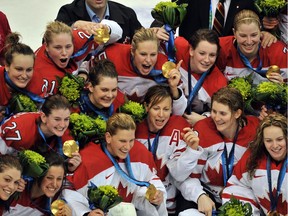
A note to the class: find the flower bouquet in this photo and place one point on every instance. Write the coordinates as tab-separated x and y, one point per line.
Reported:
22	103
34	164
135	109
273	95
235	207
103	197
244	85
270	8
84	128
172	15
71	86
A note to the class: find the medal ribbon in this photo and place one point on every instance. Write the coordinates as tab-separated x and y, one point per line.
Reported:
248	64
153	148
274	199
88	104
155	74
194	91
59	142
32	96
83	48
170	45
130	176
228	161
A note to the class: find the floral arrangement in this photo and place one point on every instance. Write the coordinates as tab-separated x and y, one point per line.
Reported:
270	8
34	164
71	86
272	94
169	13
22	103
135	109
103	197
235	207
84	128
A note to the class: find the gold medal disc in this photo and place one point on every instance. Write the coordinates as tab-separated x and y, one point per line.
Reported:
69	147
167	67
272	69
102	35
151	191
273	213
56	205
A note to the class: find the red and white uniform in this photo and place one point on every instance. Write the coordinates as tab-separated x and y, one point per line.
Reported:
5	94
209	169
25	206
212	83
229	61
97	168
46	72
174	160
20	132
256	190
132	84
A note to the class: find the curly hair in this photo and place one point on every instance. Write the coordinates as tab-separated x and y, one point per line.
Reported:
257	147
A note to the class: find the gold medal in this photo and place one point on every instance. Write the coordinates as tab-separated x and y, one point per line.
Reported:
151	191
272	69
69	147
102	35
56	205
273	213
167	67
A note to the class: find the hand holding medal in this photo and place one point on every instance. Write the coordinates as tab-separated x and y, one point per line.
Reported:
153	195
102	35
274	75
69	147
56	206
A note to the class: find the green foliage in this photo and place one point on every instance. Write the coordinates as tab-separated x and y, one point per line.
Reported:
235	207
270	8
169	13
84	128
71	86
103	197
34	164
135	109
22	103
243	84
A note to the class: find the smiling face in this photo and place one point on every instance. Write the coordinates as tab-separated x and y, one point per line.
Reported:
60	49
121	143
203	57
159	114
20	71
56	123
9	182
52	181
248	39
145	56
275	142
103	94
225	121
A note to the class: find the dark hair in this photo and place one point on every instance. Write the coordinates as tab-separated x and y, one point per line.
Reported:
204	35
9	161
13	46
53	159
120	121
102	68
233	99
156	94
55	102
257	146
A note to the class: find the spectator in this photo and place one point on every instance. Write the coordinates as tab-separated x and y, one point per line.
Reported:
80	13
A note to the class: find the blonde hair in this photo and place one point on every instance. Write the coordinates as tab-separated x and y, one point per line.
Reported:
120	121
55	28
143	35
246	17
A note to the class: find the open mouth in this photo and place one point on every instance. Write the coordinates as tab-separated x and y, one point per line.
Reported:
63	60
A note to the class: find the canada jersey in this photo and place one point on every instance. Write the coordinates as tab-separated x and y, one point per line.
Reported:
212	83
229	61
209	169
5	94
129	82
21	132
97	168
256	190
